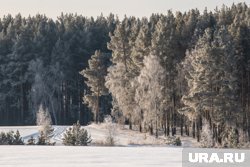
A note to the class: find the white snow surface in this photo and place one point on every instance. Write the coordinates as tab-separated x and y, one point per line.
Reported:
133	149
65	156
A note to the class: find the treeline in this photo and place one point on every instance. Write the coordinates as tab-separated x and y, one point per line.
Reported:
170	71
184	71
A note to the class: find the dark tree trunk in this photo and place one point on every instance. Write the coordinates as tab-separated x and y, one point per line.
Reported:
193	129
198	130
187	130
151	129
181	119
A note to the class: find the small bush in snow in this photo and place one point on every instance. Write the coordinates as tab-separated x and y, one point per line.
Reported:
31	141
177	141
111	131
173	140
76	136
10	138
41	139
17	139
5	139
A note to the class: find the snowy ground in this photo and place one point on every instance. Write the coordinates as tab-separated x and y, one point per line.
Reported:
123	137
61	156
133	149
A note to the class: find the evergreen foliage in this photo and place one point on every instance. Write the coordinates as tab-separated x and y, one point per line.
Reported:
31	141
95	75
11	138
17	139
178	141
203	58
76	136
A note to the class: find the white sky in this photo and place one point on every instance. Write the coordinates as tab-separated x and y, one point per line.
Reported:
138	8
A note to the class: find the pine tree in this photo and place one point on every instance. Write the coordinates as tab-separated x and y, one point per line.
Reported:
76	136
118	80
95	75
212	83
141	47
3	139
41	139
120	46
11	138
17	139
164	46
31	141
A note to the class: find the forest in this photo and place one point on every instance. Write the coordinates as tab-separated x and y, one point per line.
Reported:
183	72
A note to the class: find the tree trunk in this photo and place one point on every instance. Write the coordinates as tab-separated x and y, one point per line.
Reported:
187	129
79	99
181	125
130	123
193	129
173	117
156	129
151	129
165	129
198	130
97	108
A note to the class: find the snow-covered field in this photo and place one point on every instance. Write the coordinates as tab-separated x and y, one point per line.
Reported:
62	156
123	137
133	149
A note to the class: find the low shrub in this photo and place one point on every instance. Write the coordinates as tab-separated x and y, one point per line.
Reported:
76	136
11	138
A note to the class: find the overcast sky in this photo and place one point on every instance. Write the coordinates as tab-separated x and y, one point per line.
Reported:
139	8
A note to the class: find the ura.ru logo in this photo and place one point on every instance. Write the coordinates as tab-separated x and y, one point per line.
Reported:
215	158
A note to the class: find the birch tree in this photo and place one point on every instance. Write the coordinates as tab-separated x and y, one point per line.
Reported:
149	93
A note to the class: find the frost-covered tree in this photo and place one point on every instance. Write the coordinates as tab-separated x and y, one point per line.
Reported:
45	124
212	86
119	84
164	45
111	131
206	135
149	93
121	74
95	76
230	138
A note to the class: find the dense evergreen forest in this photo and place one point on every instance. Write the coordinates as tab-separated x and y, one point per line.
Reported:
187	71
40	61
